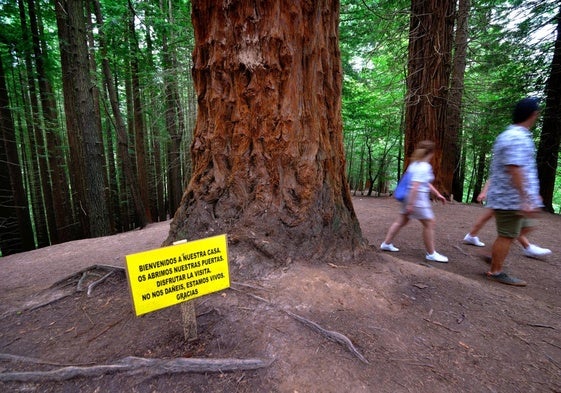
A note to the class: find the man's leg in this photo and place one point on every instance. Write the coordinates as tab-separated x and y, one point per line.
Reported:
509	225
523	240
499	253
531	250
481	222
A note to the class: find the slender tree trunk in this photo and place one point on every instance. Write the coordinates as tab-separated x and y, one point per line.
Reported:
123	151
548	149
155	183
174	122
86	145
16	232
480	174
39	173
104	138
57	194
133	216
451	155
370	178
138	122
268	161
430	47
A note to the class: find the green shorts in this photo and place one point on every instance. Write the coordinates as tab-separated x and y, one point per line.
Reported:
511	222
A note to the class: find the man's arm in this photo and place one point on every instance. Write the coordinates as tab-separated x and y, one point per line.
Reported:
517	177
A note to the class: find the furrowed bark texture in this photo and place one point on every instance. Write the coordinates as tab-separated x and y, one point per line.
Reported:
268	159
430	47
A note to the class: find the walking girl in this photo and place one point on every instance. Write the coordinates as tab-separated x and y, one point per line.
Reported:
417	204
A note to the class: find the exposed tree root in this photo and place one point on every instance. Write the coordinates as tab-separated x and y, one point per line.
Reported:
334	336
26	359
95	283
84	274
135	365
52	299
60	289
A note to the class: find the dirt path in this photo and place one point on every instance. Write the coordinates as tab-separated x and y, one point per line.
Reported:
421	327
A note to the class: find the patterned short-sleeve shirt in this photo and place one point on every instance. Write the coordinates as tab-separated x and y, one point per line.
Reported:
514	146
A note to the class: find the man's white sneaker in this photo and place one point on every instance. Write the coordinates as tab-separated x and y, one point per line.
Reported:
534	251
388	247
436	257
473	240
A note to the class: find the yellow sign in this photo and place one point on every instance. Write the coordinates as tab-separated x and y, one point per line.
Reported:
170	275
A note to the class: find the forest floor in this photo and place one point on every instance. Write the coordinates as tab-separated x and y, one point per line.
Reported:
412	326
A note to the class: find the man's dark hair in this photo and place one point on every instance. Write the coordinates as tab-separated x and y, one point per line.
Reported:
524	109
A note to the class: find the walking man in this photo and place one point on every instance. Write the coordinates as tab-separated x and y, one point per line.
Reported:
514	190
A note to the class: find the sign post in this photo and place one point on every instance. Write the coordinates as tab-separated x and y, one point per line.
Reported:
171	275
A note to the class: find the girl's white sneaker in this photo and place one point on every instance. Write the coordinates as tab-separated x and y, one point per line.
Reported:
388	247
436	257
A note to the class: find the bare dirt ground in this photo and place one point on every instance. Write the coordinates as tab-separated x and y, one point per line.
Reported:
412	326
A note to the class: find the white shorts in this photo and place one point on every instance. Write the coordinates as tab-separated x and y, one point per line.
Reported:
422	209
421	213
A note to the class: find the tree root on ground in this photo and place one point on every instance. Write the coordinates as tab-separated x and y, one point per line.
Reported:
332	335
84	274
78	281
134	365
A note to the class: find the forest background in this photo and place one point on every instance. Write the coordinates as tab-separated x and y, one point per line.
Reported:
97	121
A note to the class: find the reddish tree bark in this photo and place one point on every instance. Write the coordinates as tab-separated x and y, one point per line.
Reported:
430	47
268	161
451	155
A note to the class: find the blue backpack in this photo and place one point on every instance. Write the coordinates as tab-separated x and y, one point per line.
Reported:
402	189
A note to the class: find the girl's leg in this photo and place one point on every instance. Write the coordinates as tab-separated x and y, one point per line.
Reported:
395	227
428	235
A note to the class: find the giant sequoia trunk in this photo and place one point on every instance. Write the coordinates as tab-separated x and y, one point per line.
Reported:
428	76
268	164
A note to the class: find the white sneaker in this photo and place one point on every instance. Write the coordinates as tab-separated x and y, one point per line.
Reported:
473	240
436	257
534	251
388	247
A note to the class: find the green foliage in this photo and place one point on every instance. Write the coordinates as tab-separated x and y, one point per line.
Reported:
152	23
509	54
373	37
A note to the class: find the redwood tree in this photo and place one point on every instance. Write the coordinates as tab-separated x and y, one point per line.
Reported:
268	161
86	146
428	77
55	191
451	155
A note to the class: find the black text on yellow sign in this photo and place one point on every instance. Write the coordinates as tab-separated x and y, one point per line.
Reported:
170	275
